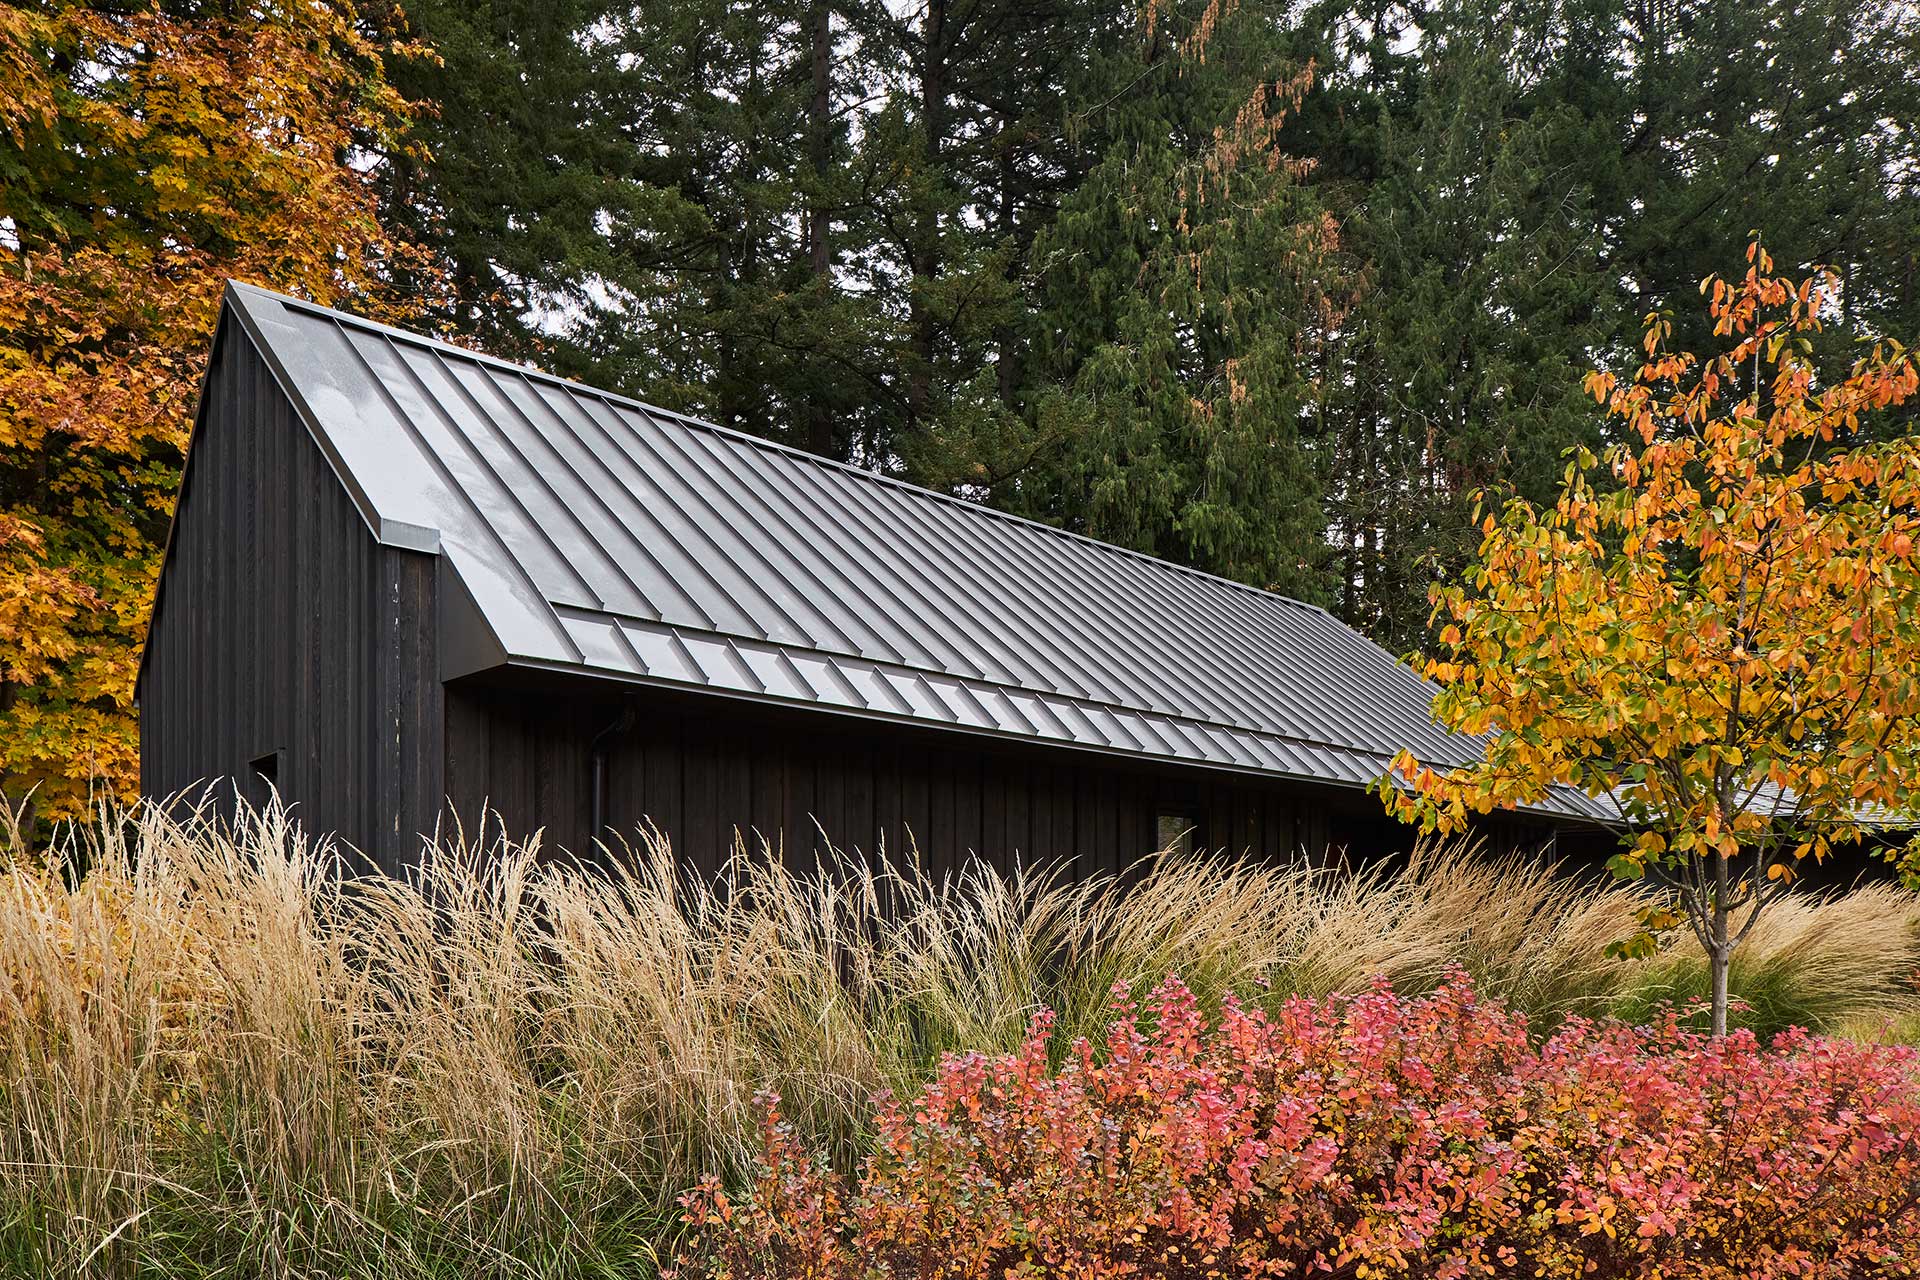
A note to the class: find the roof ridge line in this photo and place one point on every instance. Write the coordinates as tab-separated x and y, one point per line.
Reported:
732	433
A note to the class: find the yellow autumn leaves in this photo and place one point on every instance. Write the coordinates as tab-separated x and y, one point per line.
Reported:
1717	625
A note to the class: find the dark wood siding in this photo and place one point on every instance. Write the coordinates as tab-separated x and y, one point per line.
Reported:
285	630
706	769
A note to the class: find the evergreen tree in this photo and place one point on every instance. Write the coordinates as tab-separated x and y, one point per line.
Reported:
519	161
646	196
1058	254
1793	118
965	163
1527	179
804	219
1485	288
1183	296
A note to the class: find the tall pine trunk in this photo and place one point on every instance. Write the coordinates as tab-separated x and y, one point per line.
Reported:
819	139
926	228
1007	363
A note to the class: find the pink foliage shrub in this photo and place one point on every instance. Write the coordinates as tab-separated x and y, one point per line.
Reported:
1366	1136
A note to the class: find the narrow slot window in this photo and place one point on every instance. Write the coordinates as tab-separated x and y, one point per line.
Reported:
263	777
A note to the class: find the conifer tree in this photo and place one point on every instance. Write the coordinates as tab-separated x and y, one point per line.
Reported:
1183	296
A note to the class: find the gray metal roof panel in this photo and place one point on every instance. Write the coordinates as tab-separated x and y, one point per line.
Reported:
597	533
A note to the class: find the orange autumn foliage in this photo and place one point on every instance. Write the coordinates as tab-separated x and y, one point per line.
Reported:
1717	625
149	154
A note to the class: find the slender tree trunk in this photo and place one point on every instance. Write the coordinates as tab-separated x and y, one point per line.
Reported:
1721	962
926	231
819	260
1720	954
1007	365
740	384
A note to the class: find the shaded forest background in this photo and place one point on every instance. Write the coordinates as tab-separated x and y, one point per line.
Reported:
1265	289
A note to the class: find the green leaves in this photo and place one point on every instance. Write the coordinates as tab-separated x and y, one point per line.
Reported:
1640	946
1626	867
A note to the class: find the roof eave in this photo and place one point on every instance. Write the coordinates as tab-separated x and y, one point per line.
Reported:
467	644
868	715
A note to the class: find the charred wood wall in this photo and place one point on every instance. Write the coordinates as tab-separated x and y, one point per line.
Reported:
700	768
286	634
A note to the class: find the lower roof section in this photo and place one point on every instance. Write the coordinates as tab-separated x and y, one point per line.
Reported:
641	651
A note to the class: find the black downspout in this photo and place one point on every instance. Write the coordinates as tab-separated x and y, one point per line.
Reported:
597	766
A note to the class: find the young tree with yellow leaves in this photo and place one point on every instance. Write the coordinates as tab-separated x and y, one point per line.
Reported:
1717	625
147	153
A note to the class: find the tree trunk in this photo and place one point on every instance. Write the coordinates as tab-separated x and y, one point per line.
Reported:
1720	954
1007	365
1721	961
926	230
819	259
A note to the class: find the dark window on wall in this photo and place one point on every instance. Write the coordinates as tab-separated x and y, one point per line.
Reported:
263	778
1174	830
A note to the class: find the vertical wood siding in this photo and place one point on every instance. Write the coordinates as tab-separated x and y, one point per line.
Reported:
702	774
285	627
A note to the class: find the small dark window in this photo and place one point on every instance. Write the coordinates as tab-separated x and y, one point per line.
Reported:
1173	831
263	777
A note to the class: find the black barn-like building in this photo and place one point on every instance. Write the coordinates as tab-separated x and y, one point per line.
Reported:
403	576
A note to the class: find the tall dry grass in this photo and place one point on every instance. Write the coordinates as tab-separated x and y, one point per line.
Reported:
219	1056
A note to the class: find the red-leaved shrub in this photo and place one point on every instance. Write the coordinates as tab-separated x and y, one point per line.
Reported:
1367	1136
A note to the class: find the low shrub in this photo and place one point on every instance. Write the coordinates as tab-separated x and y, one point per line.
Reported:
1378	1135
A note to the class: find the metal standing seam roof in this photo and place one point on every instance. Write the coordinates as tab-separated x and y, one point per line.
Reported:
593	533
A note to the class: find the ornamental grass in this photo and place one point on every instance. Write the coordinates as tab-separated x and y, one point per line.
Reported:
221	1056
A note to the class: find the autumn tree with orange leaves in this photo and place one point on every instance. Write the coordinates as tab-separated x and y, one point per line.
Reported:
148	153
1717	625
